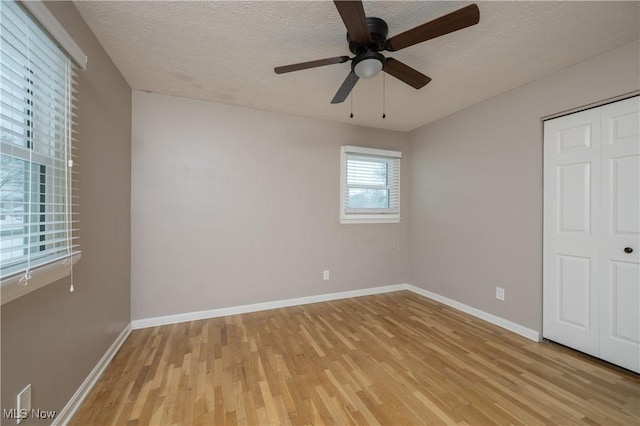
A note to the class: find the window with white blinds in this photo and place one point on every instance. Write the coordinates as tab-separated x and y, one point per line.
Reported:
370	185
37	161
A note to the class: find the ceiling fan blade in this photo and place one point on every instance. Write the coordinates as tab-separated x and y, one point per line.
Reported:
405	73
454	21
352	14
311	64
346	88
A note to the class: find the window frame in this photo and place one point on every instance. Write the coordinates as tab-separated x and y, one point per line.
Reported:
361	215
17	281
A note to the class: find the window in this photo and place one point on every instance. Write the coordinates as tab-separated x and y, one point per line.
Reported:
370	185
36	158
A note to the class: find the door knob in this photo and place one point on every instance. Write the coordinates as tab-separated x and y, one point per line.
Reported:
628	250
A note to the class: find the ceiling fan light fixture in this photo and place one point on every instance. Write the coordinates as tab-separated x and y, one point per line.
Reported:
368	68
368	64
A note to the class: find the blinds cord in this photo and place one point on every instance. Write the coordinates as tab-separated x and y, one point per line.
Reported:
68	176
27	273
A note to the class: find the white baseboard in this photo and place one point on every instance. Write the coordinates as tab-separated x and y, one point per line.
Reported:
221	312
500	322
72	406
243	309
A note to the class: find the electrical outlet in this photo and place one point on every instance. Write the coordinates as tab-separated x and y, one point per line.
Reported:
500	293
23	403
325	275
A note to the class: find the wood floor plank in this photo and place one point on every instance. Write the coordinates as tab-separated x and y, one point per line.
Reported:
387	359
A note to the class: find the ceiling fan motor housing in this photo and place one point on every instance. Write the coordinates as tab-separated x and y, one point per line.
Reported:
378	30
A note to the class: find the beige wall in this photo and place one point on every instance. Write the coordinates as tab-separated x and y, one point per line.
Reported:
232	206
52	338
475	200
472	201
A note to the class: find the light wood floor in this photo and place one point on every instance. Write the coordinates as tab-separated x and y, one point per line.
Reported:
389	359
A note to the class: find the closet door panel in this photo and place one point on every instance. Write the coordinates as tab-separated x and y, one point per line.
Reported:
571	230
620	234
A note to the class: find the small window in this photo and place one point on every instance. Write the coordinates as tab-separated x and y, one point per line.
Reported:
370	185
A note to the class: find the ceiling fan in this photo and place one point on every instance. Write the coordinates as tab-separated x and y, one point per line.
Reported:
367	37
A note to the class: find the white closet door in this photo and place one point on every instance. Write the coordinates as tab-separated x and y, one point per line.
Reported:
620	234
571	265
592	232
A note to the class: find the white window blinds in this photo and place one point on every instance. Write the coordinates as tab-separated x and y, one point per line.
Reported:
370	185
37	161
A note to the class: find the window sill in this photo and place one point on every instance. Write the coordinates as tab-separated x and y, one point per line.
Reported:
42	276
359	219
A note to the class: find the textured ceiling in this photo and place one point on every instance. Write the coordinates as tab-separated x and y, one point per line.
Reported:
226	51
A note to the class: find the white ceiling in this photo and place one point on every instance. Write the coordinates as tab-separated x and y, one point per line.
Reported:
226	51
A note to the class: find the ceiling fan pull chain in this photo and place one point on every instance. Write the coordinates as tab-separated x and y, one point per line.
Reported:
351	96
384	93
